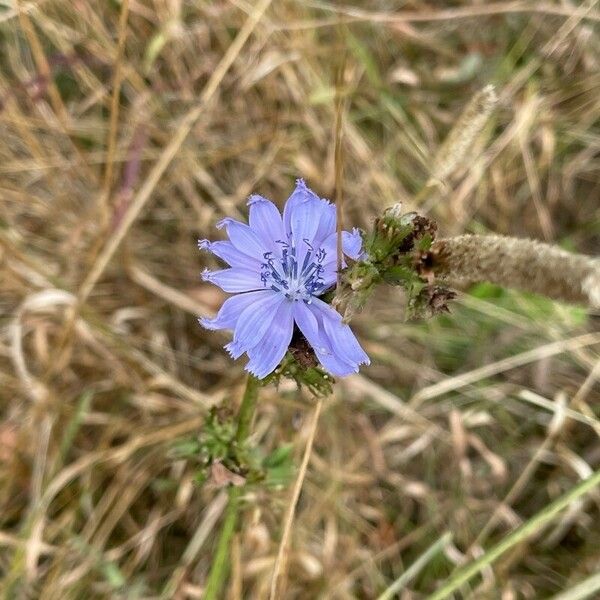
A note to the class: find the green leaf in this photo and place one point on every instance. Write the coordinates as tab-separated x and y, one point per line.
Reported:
279	456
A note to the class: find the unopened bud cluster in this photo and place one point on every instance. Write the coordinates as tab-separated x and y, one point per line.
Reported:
396	252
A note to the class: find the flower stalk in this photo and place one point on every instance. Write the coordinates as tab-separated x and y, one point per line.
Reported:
220	566
247	410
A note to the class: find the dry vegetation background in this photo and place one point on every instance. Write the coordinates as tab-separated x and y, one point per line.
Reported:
455	414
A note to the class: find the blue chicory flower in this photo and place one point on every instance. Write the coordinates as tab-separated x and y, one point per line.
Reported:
278	268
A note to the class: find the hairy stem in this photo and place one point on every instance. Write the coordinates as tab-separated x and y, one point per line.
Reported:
523	264
220	566
247	409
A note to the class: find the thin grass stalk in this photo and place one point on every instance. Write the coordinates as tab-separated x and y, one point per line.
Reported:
279	577
114	117
416	567
519	535
585	589
220	566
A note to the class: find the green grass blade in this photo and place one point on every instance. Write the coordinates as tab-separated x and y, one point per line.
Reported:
585	589
520	534
416	567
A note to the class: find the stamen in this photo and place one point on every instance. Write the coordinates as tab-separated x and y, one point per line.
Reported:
285	275
306	261
294	264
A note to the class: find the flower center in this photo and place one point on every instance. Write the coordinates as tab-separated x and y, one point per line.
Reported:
286	275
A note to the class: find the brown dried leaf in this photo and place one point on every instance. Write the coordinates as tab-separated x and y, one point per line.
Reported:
221	476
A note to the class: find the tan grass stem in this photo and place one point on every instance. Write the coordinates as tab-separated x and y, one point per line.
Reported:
168	154
454	151
114	116
278	578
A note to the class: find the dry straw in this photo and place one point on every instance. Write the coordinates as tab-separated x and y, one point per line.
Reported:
452	153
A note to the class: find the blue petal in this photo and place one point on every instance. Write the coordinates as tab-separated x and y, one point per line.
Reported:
228	314
310	323
327	223
300	195
253	323
230	254
265	221
234	280
271	349
302	215
351	244
342	340
243	238
329	274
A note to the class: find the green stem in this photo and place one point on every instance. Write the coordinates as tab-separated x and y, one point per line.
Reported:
220	565
247	409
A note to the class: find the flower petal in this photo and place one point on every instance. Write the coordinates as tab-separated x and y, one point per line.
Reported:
230	254
271	349
327	223
302	216
243	238
301	195
351	244
343	341
253	323
234	280
231	309
310	323
329	275
265	221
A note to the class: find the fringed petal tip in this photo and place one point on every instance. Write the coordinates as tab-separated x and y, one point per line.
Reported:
234	349
204	245
256	199
256	371
206	275
224	222
345	369
208	323
302	192
301	185
353	244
